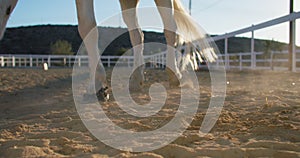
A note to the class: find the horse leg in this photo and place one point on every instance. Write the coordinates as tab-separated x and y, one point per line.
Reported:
89	33
6	8
165	8
136	38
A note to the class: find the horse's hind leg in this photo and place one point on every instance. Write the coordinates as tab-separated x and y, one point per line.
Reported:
89	33
165	8
137	40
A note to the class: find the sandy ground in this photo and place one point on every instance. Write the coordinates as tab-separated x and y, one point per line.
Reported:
260	118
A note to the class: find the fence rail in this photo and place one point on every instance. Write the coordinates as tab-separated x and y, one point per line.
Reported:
15	60
251	60
274	60
292	17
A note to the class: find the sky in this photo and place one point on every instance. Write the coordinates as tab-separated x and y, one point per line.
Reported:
215	16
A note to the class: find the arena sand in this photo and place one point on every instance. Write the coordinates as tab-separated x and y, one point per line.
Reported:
260	118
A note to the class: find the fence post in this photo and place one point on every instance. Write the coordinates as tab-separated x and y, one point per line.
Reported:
241	62
20	62
292	40
79	61
36	61
254	59
49	61
159	60
2	61
292	47
108	62
13	61
164	60
253	55
30	61
272	60
226	53
229	60
65	61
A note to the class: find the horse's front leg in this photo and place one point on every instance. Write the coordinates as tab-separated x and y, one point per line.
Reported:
137	40
89	33
165	8
6	8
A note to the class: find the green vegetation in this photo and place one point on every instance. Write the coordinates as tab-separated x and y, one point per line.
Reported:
38	39
61	47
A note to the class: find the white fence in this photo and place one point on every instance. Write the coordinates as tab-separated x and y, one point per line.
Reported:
11	60
288	18
274	60
240	61
253	60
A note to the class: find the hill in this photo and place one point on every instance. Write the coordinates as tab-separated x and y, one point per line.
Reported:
38	39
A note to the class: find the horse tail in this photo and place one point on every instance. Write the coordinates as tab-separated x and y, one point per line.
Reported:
193	36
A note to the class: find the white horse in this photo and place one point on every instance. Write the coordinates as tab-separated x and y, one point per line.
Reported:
175	20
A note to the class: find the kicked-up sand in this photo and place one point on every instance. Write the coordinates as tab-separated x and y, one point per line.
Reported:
260	117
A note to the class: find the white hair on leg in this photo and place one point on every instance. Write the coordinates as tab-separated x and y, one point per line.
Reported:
165	8
136	34
89	33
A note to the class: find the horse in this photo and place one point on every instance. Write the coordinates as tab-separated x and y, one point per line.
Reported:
179	29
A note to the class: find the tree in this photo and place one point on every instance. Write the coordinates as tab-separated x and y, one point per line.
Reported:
61	47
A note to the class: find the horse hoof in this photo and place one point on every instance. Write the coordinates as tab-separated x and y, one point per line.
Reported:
103	95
